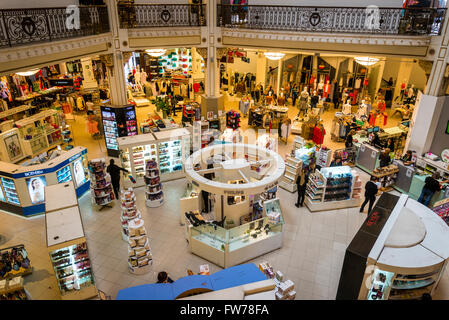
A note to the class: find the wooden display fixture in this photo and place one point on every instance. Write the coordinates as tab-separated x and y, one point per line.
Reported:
140	259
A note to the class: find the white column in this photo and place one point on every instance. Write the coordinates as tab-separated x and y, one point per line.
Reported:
261	68
379	75
116	79
63	68
405	68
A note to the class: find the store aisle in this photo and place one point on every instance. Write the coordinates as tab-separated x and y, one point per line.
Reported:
312	253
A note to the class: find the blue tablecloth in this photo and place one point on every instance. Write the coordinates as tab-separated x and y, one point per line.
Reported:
223	279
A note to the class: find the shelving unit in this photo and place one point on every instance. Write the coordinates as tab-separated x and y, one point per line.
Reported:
10	191
129	211
292	169
67	139
154	194
139	252
232	119
66	243
101	187
19	262
64	175
324	157
13	290
333	188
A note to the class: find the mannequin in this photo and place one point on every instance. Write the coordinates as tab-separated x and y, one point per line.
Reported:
411	92
320	87
403	86
303	101
281	98
137	76
327	89
363	110
143	77
314	99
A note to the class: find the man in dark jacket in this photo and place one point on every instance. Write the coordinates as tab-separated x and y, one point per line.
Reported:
301	184
114	172
431	185
370	194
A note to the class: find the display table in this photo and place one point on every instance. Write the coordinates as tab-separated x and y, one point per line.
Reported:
228	278
67	246
21	187
399	253
333	188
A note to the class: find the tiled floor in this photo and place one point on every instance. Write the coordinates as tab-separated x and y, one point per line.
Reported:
311	256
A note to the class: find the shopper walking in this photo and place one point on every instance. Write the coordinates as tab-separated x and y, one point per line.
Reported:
301	183
431	185
370	194
114	172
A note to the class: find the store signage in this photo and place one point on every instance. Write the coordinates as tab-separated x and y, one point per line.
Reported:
362	148
409	173
74	157
373	154
315	19
61	82
33	173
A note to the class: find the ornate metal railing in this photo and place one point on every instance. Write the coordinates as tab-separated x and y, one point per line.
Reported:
28	26
161	15
369	20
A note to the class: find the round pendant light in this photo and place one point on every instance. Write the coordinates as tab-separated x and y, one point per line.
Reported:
366	61
155	52
27	73
274	55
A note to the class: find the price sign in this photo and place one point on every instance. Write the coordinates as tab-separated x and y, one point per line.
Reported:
373	154
409	173
362	148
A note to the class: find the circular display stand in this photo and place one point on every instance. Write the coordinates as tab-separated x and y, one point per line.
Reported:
155	203
125	237
140	270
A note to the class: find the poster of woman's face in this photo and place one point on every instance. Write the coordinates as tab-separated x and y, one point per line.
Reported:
36	186
13	146
80	176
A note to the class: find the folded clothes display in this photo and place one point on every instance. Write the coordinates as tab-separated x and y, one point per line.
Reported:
14	261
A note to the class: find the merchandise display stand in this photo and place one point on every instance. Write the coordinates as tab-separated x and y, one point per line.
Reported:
333	188
101	186
67	139
140	258
284	288
386	176
129	211
66	243
441	208
154	194
13	289
292	169
400	253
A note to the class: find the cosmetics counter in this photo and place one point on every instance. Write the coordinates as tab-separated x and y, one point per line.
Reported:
168	148
333	188
66	243
247	218
22	187
399	253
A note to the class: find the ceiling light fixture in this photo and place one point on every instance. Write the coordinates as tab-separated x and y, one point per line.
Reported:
366	61
27	73
155	52
274	55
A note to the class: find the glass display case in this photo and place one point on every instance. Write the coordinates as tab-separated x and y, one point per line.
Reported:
64	175
170	156
141	155
118	121
72	268
241	243
10	191
254	231
124	156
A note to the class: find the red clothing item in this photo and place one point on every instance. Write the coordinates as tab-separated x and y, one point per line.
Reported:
318	135
196	87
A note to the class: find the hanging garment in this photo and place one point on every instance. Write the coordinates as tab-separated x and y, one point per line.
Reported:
357	83
196	87
92	127
318	135
285	130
